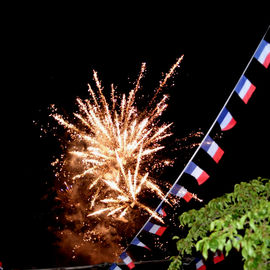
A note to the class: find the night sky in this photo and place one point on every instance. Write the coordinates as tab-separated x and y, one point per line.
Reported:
51	56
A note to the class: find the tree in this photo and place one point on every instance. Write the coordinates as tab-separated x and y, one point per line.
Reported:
237	220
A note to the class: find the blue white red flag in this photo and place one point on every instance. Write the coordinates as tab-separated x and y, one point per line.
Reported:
181	192
200	264
154	228
245	89
127	260
262	54
212	148
225	120
114	266
197	172
137	242
161	211
218	257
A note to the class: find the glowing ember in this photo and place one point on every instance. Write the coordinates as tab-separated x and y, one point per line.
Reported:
111	147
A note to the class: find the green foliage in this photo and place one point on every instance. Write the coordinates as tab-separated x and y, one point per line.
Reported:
237	220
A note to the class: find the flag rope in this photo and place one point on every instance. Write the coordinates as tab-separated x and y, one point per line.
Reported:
199	146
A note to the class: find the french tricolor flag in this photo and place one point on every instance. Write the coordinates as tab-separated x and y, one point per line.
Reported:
262	54
197	172
244	89
225	120
200	264
161	211
127	260
137	242
218	257
154	228
114	266
211	148
181	192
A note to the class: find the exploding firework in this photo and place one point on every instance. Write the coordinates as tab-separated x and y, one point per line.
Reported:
113	148
111	154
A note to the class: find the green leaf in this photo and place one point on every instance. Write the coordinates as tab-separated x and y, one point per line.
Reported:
236	243
252	225
199	245
179	244
221	243
242	221
205	251
244	253
264	250
228	247
251	251
213	244
212	226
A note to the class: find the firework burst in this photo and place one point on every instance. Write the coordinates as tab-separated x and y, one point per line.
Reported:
113	148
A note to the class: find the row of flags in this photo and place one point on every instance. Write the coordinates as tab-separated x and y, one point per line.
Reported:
199	261
244	88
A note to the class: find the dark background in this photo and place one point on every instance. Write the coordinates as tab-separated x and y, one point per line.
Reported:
50	54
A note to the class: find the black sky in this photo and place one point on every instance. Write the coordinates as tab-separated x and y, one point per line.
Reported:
51	54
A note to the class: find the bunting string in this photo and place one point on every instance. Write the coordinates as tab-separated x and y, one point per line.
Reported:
244	88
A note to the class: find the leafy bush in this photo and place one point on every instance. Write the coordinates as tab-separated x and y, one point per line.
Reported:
237	220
